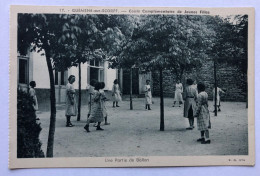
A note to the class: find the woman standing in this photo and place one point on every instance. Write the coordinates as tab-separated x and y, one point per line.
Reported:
71	106
33	95
190	97
148	95
96	114
202	114
178	94
116	94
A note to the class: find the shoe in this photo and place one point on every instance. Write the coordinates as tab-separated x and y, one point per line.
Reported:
98	128
172	105
149	109
107	123
69	125
200	139
219	110
205	142
86	127
189	128
117	106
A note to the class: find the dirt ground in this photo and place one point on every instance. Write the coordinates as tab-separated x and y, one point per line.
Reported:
136	132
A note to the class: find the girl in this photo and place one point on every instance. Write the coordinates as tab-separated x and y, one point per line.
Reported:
178	94
71	106
190	97
116	93
91	91
202	114
148	95
103	102
33	94
96	114
219	91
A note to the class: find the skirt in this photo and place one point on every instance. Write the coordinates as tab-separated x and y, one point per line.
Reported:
203	120
178	96
71	110
117	97
96	114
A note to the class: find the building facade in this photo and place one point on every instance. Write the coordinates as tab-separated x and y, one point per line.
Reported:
33	67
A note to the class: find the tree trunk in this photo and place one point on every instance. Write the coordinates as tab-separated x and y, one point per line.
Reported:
79	103
131	88
161	102
247	93
53	106
215	87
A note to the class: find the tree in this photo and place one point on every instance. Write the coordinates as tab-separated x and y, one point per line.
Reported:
161	42
227	43
45	33
117	37
66	41
86	45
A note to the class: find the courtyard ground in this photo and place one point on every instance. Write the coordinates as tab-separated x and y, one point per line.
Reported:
136	132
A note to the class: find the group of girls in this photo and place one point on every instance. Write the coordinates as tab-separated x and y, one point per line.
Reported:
97	106
97	103
196	106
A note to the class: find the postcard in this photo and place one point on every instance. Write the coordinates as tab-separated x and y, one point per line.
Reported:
131	86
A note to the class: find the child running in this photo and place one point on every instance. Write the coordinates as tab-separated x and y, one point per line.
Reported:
96	114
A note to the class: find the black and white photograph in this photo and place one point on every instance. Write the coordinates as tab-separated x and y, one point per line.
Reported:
131	87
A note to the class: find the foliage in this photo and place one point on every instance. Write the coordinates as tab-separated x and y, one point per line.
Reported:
47	33
28	130
229	42
163	42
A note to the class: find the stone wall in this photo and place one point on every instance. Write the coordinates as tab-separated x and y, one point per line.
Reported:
229	77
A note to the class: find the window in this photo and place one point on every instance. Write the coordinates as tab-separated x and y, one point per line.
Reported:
23	70
61	77
56	77
96	63
96	70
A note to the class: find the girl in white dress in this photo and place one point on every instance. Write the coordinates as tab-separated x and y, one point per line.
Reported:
148	95
178	94
116	94
71	104
219	91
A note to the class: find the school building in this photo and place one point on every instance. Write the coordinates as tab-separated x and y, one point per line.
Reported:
33	67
